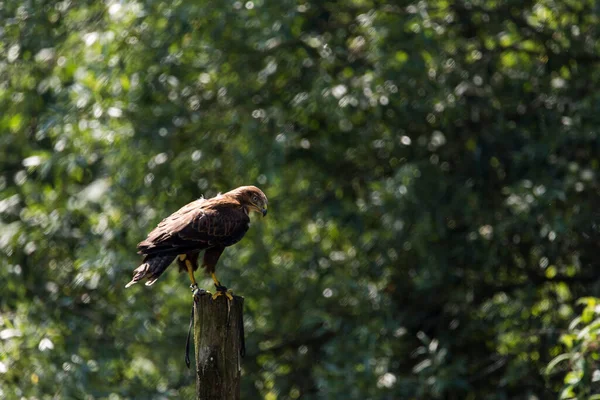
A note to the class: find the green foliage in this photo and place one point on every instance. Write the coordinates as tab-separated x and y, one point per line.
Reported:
432	170
580	363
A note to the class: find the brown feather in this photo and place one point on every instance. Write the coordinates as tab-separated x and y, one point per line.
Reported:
151	268
211	257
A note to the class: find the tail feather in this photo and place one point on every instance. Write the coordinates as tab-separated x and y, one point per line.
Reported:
151	268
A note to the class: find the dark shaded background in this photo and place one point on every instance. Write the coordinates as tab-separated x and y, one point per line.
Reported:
432	171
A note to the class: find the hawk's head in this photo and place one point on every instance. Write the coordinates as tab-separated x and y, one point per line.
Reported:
251	197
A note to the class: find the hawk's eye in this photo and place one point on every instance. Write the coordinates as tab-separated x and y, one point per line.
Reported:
254	199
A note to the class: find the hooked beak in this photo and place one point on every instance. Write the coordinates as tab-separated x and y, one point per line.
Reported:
264	212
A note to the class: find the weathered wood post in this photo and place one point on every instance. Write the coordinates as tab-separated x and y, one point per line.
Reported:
219	347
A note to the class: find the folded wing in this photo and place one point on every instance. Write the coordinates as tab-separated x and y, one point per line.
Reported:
197	226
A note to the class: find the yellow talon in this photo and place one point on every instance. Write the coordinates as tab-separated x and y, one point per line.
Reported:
227	294
221	290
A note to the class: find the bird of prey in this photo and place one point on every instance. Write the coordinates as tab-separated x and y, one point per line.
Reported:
205	224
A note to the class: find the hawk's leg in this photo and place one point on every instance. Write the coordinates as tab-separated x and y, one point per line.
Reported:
190	269
221	290
211	256
216	281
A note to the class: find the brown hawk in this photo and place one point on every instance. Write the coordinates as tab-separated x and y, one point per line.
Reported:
205	224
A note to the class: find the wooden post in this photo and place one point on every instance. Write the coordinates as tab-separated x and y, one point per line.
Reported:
219	347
